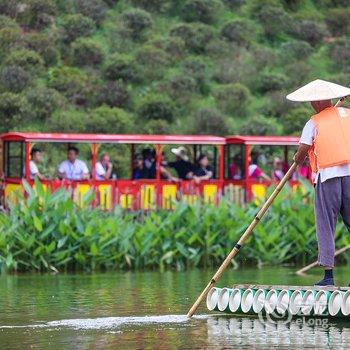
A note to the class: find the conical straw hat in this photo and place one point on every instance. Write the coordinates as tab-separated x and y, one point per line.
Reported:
318	90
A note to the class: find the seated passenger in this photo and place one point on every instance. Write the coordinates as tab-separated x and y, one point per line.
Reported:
139	171
254	171
182	166
235	168
103	168
149	162
277	173
203	170
73	168
35	160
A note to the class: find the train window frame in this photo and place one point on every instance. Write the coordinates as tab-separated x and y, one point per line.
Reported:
8	159
228	156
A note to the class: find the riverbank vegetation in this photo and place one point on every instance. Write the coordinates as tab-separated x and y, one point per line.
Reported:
166	66
48	232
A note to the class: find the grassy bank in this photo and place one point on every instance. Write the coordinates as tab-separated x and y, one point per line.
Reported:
49	232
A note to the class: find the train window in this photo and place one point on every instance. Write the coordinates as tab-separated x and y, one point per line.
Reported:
234	162
14	159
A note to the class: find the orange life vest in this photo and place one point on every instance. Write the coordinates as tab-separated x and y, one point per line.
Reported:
331	145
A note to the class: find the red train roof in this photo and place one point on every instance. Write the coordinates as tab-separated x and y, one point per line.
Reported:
263	140
153	139
105	138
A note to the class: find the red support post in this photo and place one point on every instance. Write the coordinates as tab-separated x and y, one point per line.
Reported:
158	175
221	169
27	160
246	172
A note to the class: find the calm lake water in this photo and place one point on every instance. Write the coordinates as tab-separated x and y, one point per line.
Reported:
146	310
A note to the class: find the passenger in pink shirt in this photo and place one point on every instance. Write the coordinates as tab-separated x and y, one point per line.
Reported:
277	173
254	171
235	168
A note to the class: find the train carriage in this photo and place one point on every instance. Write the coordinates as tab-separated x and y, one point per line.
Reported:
145	194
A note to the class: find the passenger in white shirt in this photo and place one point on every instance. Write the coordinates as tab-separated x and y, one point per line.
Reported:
103	168
36	157
73	168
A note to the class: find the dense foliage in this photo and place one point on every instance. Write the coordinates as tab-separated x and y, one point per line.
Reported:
49	232
185	66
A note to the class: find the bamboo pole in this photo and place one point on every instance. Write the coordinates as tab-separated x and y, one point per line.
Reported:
241	241
309	267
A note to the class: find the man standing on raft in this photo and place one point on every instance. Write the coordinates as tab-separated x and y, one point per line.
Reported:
326	140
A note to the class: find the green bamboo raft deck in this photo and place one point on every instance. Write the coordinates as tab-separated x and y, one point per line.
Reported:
277	300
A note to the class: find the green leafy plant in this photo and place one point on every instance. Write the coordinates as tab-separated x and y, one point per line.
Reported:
49	232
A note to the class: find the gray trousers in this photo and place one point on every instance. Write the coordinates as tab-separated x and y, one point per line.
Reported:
331	198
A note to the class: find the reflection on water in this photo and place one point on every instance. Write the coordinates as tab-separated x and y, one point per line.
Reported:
146	310
244	332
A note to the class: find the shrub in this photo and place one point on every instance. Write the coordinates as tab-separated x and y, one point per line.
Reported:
263	57
234	4
195	36
68	120
105	119
9	7
9	38
196	68
157	126
259	125
309	31
8	22
27	59
200	11
340	53
276	104
210	121
295	49
86	52
292	4
156	107
71	82
218	48
14	78
95	9
181	87
333	3
272	18
39	13
270	81
114	94
232	98
240	68
44	45
14	109
152	5
152	60
298	73
338	21
44	102
174	46
238	31
136	22
294	121
111	3
121	67
76	26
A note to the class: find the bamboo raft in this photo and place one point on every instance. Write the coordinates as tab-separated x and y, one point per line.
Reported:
281	300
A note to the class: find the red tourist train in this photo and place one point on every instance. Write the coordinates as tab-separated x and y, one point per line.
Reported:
230	158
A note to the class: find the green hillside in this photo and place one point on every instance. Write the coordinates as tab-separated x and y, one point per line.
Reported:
166	66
